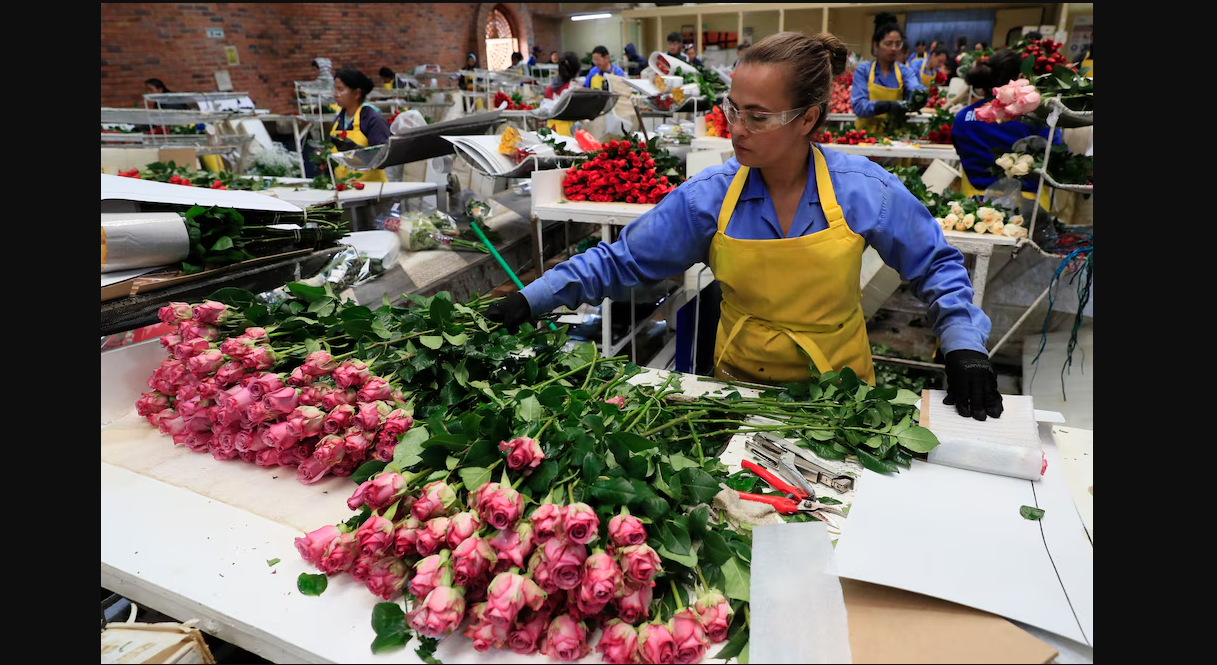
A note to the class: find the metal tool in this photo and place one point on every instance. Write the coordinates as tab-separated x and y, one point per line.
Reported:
796	500
773	448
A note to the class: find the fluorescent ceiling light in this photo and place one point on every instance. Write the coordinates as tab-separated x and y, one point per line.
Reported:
588	17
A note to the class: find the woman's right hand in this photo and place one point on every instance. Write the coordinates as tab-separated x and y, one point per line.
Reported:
510	311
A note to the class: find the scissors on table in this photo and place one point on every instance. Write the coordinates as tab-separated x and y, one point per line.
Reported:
800	499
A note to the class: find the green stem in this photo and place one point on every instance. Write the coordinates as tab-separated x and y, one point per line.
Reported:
591	370
703	579
673	423
638	413
701	458
570	492
680	605
561	376
604	386
537	436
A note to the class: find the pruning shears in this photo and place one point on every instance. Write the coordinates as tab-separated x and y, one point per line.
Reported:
795	499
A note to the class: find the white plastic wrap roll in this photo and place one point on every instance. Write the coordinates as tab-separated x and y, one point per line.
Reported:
142	240
669	66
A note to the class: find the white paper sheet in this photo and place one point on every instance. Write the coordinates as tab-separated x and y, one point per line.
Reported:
1009	445
958	535
798	609
108	278
134	189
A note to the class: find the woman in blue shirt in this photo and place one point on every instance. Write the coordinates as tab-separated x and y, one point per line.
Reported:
882	85
927	67
974	140
783	225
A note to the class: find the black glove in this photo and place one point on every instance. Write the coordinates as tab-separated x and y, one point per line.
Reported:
972	385
510	311
889	106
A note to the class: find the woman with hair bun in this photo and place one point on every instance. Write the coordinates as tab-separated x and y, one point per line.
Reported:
358	124
974	139
883	85
783	225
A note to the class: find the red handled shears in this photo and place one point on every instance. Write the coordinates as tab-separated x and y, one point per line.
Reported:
796	499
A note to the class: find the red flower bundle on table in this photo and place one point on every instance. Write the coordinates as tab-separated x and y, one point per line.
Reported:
623	171
716	123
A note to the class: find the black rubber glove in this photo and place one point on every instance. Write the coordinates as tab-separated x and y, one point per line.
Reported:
889	106
510	311
972	385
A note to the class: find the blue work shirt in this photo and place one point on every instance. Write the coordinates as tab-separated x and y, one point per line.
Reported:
859	94
975	139
915	65
677	232
587	82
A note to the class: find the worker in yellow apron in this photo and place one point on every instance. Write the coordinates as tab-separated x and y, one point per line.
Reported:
568	69
350	88
927	67
872	100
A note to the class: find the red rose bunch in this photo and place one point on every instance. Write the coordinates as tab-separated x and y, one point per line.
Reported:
716	123
623	171
1046	53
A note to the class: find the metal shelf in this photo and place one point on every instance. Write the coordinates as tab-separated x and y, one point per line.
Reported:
137	116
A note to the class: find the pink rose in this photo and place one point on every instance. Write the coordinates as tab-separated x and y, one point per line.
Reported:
328	454
503	508
266	458
507	594
483	633
639	563
619	643
309	419
428	573
387	577
405	538
477	498
522	452
525	636
462	526
655	643
398	422
152	402
371	415
514	545
154	419
375	389
205	363
199	441
437	500
352	373
236	347
169	341
336	398
433	536
222	446
689	637
256	333
440	613
174	313
580	523
633	602
171	426
211	312
319	363
252	417
363	566
715	614
618	401
266	383
565	563
346	467
546	523
357	444
566	639
339	419
262	357
313	544
246	440
311	395
379	492
384	447
190	348
208	389
249	457
299	379
471	560
626	530
229	373
340	555
375	536
281	401
539	570
294	456
182	438
236	398
601	580
281	435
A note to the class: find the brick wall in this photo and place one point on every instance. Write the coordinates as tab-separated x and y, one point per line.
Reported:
277	42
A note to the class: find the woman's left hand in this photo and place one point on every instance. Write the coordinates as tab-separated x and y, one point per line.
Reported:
972	385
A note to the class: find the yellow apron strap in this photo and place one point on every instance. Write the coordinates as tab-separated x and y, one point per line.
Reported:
874	64
899	79
739	325
812	349
828	200
733	192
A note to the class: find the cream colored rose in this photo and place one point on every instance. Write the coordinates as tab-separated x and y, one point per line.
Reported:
950	221
997	216
968	220
1016	220
1025	159
980	227
984	213
1020	169
957	210
960	227
1014	231
1006	161
995	226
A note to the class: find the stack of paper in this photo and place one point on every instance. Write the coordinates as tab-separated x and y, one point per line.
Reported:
482	152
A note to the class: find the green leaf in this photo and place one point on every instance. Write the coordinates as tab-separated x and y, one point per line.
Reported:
456	340
822	434
698	519
874	441
885	412
679	462
450	442
366	470
737	580
481	453
902	426
233	297
918	439
306	292
688	560
633	442
311	585
733	647
431	341
410	447
715	547
380	330
222	244
272	562
474	477
529	409
1030	513
700	486
614	491
389	623
825	452
875	464
358	519
592	466
542	476
654	507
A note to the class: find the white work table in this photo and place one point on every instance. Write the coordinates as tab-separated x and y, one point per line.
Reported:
372	191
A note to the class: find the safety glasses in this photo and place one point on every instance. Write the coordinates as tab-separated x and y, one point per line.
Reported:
760	121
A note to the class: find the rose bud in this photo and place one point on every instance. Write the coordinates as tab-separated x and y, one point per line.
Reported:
471	560
514	545
566	639
313	544
340	555
619	643
440	613
503	508
689	637
639	564
375	536
655	643
546	523
626	530
387	577
633	603
580	523
507	594
715	614
352	373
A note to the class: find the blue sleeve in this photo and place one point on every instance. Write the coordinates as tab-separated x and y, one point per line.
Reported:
587	80
661	243
618	71
859	94
910	241
912	80
374	126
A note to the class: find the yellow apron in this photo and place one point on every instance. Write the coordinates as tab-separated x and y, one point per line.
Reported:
927	79
357	137
388	86
806	288
879	93
1087	62
968	190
